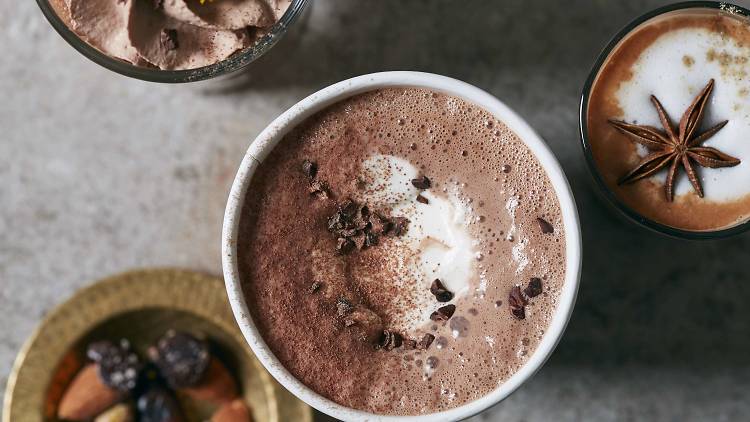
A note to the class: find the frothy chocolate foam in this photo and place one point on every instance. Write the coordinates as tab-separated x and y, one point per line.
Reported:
673	56
368	327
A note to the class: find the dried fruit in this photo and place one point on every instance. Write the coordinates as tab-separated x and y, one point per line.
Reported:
181	358
159	405
216	386
122	412
118	365
87	396
234	411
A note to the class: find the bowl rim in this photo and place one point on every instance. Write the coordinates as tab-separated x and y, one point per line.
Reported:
603	189
115	296
270	137
230	65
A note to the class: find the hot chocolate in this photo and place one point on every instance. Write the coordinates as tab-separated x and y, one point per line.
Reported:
401	252
668	120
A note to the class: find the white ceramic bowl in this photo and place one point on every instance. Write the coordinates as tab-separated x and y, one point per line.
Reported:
270	137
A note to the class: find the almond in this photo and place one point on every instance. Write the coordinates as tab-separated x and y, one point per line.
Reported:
86	396
216	386
122	412
233	411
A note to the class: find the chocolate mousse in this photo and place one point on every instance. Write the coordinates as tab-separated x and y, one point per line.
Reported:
379	244
170	34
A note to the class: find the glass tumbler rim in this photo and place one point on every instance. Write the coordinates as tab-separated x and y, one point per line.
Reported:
227	66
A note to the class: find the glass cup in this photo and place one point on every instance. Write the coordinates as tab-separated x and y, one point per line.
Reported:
604	191
232	64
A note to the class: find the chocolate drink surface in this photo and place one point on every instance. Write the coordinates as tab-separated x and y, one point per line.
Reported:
401	252
694	60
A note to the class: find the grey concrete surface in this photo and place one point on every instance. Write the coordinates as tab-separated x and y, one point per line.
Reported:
100	174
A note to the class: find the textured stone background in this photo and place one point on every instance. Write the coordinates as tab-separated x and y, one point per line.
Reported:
100	174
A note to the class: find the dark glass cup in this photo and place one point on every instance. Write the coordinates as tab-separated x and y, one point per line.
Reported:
230	65
609	196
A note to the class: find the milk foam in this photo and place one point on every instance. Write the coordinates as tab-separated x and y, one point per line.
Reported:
476	164
438	237
675	68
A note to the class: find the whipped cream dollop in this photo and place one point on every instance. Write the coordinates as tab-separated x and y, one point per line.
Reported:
173	34
437	245
675	68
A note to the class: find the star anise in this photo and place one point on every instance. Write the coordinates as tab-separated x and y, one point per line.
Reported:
678	146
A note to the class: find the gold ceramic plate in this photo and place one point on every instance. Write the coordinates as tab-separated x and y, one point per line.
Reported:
141	306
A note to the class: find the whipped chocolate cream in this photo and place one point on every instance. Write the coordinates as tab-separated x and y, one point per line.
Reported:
453	292
171	34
